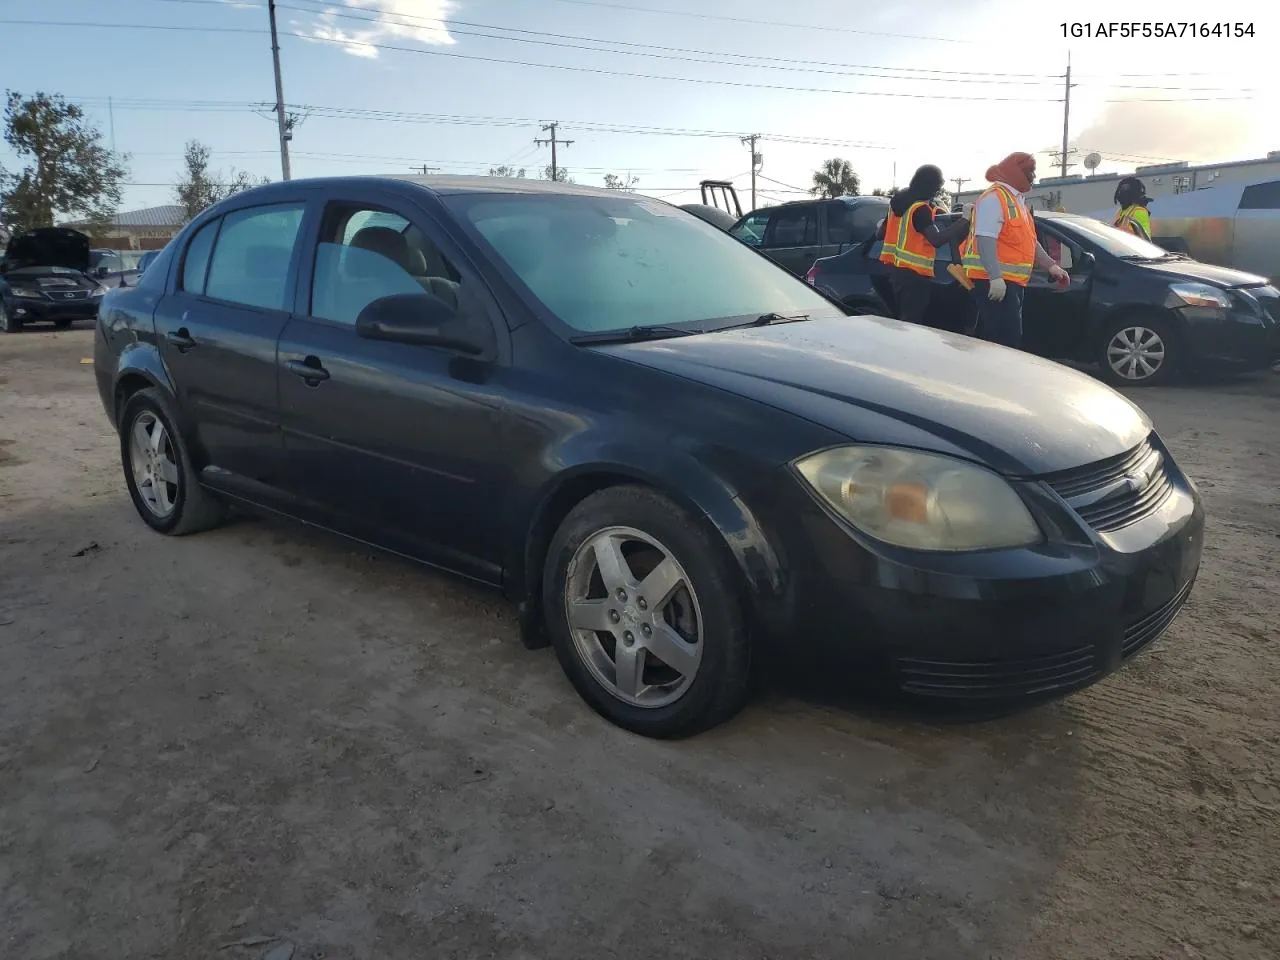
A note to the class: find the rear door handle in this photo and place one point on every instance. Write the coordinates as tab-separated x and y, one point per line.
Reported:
181	340
309	370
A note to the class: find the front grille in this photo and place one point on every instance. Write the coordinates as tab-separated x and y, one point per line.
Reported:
66	296
1147	628
1118	491
997	679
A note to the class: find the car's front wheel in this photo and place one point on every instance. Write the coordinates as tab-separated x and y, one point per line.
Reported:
8	322
162	482
1138	351
641	607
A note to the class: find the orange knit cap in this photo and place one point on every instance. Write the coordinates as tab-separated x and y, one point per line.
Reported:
1017	169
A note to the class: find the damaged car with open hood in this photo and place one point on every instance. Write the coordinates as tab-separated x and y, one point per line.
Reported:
44	279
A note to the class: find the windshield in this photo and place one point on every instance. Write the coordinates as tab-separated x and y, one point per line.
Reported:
602	263
1118	243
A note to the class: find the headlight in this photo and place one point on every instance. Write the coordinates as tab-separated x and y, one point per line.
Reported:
1200	295
26	293
98	291
920	500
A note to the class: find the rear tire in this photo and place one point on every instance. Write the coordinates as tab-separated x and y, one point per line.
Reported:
1138	350
669	664
162	482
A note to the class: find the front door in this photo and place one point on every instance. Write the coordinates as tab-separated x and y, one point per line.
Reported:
1055	320
792	237
217	334
394	443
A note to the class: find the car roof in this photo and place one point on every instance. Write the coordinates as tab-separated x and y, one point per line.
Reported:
440	185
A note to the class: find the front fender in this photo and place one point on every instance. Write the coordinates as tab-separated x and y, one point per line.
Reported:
585	465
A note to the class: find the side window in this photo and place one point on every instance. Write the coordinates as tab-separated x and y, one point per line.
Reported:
866	218
366	254
751	230
195	265
839	223
1261	196
250	262
794	227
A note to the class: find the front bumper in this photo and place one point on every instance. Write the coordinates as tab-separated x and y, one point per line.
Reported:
995	625
30	310
1241	339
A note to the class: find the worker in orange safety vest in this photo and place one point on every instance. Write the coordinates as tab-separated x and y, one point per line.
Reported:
1002	250
911	238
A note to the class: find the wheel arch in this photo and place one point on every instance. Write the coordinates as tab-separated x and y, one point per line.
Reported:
138	368
684	481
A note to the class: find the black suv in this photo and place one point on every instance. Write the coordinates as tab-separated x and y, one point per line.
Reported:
797	234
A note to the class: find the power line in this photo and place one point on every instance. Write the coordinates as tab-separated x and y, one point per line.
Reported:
598	70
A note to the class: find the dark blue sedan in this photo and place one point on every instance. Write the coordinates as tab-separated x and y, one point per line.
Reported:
681	462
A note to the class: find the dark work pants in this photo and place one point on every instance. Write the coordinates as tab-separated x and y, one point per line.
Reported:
999	321
912	292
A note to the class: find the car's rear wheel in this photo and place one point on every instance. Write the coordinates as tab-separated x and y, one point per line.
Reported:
157	467
1139	351
8	322
641	607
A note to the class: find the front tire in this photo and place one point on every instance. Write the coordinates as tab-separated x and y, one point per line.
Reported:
162	482
641	606
8	322
1139	351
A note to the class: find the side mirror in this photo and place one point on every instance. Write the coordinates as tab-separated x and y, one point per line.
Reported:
1086	260
101	272
419	318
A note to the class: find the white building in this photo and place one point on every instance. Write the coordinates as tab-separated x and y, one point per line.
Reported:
1087	194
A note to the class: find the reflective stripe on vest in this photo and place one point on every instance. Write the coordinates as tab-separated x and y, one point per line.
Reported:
914	252
1131	218
1015	247
889	250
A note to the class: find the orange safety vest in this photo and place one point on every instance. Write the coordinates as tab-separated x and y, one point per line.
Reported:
912	251
1015	247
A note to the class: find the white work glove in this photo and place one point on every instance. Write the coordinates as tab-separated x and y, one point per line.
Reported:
998	288
1057	274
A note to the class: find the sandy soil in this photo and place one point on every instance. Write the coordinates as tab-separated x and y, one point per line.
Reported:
264	737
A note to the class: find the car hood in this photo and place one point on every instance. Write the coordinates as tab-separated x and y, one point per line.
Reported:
875	380
48	247
1203	272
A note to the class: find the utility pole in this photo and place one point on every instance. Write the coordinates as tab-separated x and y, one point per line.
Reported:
425	169
111	113
282	121
959	182
755	163
551	127
1066	119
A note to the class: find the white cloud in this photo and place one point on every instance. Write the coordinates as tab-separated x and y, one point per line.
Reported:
382	21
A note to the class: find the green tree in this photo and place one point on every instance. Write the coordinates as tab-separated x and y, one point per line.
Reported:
200	188
505	171
835	178
67	173
626	184
562	175
882	192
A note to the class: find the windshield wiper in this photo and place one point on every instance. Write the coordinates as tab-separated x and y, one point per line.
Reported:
657	331
767	318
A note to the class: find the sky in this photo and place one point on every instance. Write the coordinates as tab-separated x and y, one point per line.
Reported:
653	89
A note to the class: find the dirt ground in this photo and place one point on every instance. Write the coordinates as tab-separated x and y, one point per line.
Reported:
262	742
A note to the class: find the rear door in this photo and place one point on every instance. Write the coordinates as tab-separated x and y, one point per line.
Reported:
394	443
217	334
792	238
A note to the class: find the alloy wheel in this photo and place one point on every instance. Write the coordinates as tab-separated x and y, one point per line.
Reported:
634	617
154	463
1136	353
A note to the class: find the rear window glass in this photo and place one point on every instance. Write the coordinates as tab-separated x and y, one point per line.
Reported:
250	263
195	265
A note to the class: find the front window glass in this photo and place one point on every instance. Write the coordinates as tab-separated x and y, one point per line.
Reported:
750	230
1118	243
611	263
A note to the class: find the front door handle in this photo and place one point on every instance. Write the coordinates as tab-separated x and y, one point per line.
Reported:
309	370
181	339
